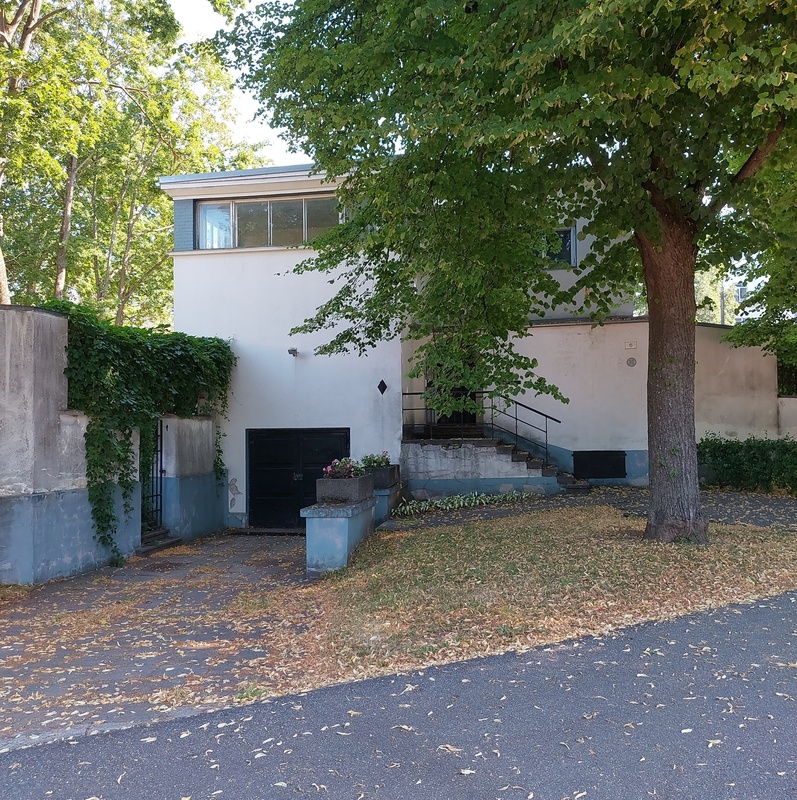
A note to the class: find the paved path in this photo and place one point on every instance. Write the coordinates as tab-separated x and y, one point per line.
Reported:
699	708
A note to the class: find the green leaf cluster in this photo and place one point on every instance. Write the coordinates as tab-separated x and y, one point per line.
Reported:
124	379
770	232
410	508
750	464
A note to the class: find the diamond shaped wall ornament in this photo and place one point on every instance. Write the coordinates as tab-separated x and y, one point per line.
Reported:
382	386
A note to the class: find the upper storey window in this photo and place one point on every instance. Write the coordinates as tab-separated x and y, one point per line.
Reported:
264	223
564	256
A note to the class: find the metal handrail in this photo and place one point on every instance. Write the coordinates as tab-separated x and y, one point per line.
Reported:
541	413
494	411
515	404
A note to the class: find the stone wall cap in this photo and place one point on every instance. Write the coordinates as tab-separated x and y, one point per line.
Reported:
337	510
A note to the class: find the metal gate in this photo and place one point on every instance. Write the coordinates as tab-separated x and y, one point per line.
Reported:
152	487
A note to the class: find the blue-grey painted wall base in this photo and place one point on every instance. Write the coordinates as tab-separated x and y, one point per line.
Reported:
386	501
334	530
49	535
193	505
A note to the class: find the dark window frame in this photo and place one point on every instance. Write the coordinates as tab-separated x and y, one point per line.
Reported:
557	263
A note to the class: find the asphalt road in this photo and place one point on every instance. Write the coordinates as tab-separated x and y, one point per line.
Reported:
700	708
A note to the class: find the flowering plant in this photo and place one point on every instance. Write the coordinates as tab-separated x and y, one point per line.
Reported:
344	468
372	460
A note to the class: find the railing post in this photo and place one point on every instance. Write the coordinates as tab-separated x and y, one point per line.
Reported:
546	443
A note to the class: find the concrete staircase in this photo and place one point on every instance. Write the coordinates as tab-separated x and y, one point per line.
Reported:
570	484
482	459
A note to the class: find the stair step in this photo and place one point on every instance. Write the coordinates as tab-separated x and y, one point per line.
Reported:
153	535
535	463
504	449
520	455
157	539
453	431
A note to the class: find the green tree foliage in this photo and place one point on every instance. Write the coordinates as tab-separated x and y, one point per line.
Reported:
113	103
648	118
772	267
124	379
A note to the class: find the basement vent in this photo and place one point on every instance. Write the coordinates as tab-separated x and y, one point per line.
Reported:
599	464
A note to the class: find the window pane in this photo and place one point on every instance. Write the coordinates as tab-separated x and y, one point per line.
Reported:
322	214
252	224
286	222
214	226
565	254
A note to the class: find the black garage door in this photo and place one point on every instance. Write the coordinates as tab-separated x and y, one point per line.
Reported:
283	467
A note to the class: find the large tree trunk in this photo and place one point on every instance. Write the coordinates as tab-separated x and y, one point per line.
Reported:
66	227
669	265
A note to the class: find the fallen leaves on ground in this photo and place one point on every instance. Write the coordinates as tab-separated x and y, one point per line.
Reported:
233	619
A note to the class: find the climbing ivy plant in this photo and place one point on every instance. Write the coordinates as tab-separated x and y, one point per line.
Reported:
124	379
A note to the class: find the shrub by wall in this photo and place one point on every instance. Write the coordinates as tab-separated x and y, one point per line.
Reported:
124	379
752	463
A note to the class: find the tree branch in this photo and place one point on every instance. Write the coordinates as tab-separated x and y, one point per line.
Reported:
759	155
754	163
47	16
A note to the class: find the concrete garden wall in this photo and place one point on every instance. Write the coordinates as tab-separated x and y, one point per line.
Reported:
46	529
787	416
193	496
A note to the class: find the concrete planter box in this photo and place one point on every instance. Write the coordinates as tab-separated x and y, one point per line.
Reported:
335	530
344	490
384	477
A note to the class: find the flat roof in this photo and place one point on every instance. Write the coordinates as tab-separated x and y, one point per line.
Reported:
291	179
255	172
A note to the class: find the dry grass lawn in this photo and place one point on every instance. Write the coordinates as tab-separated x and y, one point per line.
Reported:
442	594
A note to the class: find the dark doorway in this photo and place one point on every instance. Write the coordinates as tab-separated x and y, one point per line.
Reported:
283	467
152	487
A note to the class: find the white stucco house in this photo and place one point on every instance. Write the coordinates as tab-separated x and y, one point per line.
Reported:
237	237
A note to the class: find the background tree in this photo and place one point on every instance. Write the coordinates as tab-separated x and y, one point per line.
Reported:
716	296
630	114
115	102
771	306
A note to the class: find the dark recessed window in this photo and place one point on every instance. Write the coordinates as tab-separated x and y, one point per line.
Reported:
564	256
322	214
287	222
252	224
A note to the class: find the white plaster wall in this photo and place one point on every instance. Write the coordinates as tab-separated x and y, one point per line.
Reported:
736	389
607	408
787	416
245	296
